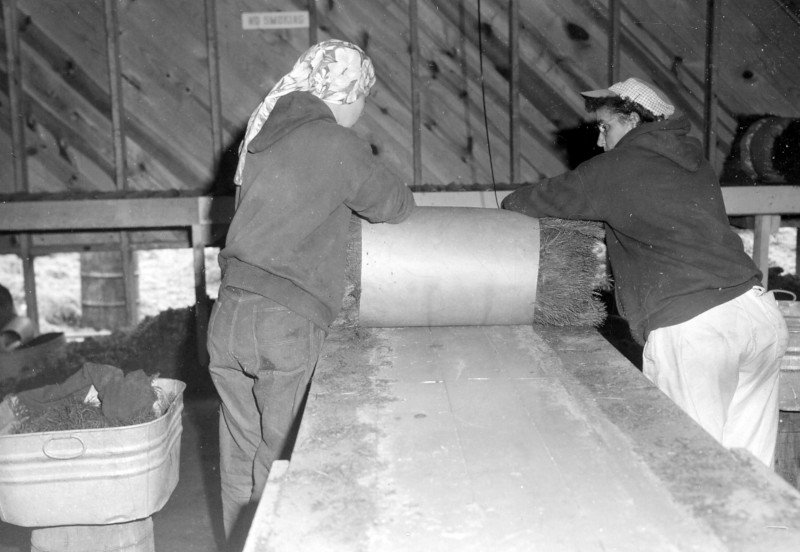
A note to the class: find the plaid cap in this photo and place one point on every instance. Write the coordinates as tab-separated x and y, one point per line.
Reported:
643	93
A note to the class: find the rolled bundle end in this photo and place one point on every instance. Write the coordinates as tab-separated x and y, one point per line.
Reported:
570	274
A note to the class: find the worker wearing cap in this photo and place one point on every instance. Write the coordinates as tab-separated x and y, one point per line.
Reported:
303	171
712	336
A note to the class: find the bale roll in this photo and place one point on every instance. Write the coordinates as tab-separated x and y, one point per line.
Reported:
450	266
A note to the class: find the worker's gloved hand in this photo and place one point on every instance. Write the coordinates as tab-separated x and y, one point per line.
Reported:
123	399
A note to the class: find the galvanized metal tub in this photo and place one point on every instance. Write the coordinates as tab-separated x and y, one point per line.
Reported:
92	476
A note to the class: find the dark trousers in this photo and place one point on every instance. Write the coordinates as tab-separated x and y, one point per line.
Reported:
261	359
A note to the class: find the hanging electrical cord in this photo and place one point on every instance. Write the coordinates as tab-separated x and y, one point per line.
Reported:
483	99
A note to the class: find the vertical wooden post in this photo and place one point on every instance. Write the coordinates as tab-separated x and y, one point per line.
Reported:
761	232
710	99
18	157
416	123
198	240
466	77
202	304
130	277
120	157
29	279
312	22
115	87
214	87
797	252
513	89
614	26
14	67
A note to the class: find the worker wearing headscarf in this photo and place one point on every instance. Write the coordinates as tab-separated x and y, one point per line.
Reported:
334	71
302	172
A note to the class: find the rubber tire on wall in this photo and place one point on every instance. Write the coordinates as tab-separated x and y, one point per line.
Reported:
756	150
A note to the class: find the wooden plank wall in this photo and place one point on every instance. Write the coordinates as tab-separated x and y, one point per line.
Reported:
563	48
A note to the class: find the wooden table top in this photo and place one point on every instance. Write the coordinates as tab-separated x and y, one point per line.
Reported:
508	438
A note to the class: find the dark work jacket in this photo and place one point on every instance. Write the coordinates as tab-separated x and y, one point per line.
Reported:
304	176
672	252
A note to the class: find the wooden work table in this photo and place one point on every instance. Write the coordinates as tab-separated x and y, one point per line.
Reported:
508	438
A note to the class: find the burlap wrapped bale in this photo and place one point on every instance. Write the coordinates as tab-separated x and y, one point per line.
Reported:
570	274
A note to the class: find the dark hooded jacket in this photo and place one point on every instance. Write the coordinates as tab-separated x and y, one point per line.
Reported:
305	174
672	252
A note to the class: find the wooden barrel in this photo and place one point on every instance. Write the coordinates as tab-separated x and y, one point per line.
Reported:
104	303
134	536
757	149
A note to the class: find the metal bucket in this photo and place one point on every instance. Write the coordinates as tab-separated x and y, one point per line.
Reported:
92	476
15	363
18	331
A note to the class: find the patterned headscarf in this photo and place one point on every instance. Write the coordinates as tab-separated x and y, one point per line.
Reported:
333	70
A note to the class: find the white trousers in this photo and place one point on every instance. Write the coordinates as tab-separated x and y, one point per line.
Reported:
722	368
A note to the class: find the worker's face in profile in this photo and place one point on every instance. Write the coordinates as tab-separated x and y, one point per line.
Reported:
350	113
612	127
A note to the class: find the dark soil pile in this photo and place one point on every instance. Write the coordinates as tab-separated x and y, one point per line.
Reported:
164	345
